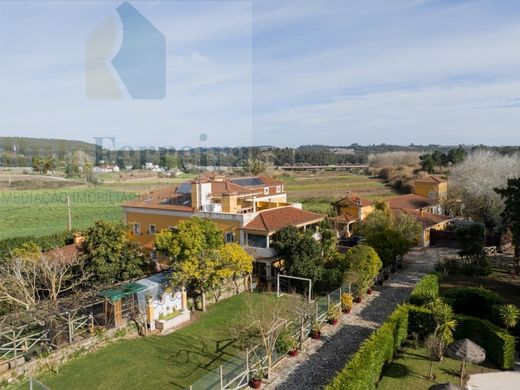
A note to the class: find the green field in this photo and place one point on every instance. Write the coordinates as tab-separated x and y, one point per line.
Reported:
37	212
173	361
43	212
317	192
410	371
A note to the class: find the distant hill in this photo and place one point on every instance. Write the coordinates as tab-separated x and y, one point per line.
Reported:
26	145
18	151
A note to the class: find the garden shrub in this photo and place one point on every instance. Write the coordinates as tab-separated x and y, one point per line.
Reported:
473	301
363	371
420	321
44	242
424	288
498	343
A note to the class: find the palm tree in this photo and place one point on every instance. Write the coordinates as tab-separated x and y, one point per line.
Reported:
509	314
445	325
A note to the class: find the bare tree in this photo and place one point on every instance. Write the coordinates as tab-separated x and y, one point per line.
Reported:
472	183
19	282
264	321
27	280
59	274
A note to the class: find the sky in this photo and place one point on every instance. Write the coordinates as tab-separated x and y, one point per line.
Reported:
273	72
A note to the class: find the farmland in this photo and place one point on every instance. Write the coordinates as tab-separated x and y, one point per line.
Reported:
33	205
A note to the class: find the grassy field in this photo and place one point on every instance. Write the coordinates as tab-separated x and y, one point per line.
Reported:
42	212
318	191
173	361
410	371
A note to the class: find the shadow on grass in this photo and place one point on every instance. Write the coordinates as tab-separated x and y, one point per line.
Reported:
396	370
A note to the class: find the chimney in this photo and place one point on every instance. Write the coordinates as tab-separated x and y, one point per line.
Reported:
77	239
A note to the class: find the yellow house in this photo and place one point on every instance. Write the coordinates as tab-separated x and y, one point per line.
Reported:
354	206
235	205
432	187
425	205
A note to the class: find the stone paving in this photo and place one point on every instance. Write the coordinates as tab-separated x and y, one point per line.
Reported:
320	360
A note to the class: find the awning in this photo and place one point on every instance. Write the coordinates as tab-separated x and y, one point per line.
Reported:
115	294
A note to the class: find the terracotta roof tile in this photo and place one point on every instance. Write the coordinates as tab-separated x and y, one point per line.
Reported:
354	200
409	201
431	179
427	220
275	219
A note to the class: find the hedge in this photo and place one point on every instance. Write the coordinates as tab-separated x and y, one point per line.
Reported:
44	242
498	343
473	301
364	369
421	292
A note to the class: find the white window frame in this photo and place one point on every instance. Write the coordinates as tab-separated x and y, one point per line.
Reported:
150	229
137	229
266	190
278	189
229	237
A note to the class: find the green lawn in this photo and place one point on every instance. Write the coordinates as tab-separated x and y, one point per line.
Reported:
42	212
409	372
172	361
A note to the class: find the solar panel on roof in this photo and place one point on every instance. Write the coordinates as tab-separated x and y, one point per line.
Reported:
183	188
249	182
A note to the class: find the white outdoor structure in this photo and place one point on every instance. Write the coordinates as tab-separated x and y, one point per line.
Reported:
279	292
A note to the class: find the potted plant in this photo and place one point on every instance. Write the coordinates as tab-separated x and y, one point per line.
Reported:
316	330
256	380
346	302
287	343
333	315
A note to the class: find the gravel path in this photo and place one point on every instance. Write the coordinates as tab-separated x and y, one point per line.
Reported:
319	361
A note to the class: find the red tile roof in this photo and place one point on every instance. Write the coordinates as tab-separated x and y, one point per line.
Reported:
431	179
354	200
64	254
344	218
427	220
409	201
274	219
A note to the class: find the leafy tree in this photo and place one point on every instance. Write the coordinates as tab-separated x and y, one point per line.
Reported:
235	262
365	261
391	236
109	254
194	252
511	214
253	167
472	238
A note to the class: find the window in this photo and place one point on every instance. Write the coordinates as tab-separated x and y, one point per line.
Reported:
266	190
278	189
173	228
257	241
153	255
230	237
151	229
137	229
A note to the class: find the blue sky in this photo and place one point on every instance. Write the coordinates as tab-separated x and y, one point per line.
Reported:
277	72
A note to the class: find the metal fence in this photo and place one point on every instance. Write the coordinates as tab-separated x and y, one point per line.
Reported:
236	373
